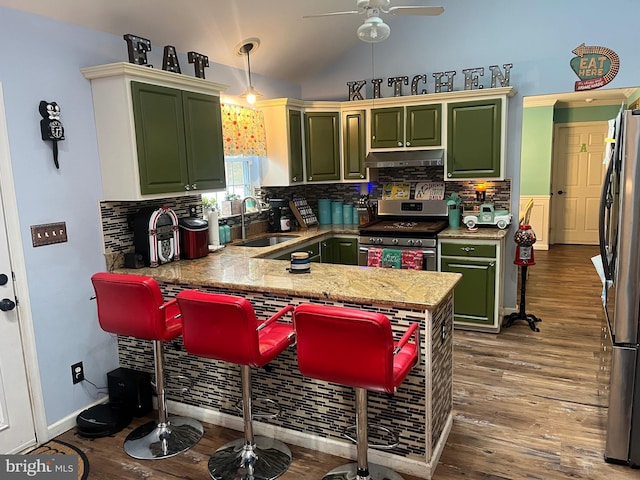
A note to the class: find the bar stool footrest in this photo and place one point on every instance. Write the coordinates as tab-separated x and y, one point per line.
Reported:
261	416
266	459
385	446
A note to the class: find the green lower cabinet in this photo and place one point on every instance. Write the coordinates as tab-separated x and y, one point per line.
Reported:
339	250
474	296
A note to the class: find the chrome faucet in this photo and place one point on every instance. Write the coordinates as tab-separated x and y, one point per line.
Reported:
243	212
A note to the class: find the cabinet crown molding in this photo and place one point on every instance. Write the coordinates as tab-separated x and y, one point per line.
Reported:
153	75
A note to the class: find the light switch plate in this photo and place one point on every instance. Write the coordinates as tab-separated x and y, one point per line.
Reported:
48	233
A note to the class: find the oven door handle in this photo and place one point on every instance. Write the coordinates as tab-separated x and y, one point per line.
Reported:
426	253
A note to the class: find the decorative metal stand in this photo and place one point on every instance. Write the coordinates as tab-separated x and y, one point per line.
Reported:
521	314
524	238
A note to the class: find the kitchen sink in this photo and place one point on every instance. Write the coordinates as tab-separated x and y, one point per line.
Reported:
267	241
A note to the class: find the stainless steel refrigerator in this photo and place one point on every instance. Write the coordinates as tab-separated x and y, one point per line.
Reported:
620	255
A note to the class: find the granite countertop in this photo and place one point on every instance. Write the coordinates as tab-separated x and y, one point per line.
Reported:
241	268
483	233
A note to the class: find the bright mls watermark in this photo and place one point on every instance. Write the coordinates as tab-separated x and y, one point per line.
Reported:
50	467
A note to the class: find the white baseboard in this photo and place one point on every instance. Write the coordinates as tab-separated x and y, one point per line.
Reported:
344	449
68	422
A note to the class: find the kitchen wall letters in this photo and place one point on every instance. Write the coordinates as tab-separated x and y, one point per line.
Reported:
137	48
471	78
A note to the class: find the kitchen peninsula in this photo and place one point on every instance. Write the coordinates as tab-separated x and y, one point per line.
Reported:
314	413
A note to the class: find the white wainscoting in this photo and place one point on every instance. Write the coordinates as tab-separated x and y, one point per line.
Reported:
539	220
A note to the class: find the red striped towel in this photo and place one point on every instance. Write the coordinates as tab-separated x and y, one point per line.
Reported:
412	259
374	257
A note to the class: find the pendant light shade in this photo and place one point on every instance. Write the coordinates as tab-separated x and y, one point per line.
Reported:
245	48
374	30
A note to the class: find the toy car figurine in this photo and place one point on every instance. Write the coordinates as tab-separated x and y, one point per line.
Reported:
488	216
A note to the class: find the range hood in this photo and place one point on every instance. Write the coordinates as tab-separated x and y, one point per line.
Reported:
406	158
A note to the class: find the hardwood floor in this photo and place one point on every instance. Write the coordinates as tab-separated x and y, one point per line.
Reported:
527	405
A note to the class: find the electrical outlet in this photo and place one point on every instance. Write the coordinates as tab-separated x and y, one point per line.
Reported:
77	372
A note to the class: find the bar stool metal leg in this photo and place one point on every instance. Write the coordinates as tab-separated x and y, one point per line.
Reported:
251	458
168	436
363	470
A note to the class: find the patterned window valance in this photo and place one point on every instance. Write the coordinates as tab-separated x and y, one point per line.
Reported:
243	131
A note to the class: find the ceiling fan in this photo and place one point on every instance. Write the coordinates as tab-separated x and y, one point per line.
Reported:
374	30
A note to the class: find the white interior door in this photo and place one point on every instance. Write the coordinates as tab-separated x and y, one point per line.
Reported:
578	172
17	429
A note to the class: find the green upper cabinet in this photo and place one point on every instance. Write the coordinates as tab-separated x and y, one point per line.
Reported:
159	127
296	159
424	125
322	142
283	128
179	139
474	139
411	126
354	144
387	127
203	133
159	133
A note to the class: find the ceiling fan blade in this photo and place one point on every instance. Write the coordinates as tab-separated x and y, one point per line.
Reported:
428	11
332	14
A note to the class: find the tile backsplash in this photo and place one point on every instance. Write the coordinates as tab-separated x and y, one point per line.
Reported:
497	192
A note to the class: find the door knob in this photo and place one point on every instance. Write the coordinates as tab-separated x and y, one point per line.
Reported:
6	305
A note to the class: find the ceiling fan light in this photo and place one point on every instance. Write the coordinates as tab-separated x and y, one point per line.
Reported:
374	30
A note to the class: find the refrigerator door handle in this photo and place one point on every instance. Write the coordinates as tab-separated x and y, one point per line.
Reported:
603	221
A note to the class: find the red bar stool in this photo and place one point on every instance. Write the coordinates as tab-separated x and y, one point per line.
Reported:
133	305
355	348
225	327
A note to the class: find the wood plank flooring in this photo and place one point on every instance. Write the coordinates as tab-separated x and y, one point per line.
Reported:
527	405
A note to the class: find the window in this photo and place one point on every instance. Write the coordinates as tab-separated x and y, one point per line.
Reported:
244	148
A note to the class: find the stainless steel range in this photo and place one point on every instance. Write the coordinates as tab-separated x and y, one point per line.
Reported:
405	225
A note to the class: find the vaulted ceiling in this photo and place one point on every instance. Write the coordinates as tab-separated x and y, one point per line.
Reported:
291	48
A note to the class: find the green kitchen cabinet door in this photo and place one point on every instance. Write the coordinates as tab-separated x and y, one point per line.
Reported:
345	251
474	132
387	127
162	152
203	133
424	125
354	144
327	251
474	296
322	141
296	159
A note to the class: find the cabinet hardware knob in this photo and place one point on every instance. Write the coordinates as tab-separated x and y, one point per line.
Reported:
361	176
187	187
449	175
492	264
399	144
295	179
194	186
310	178
408	144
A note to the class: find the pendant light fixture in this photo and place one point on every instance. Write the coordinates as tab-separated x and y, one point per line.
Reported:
245	48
